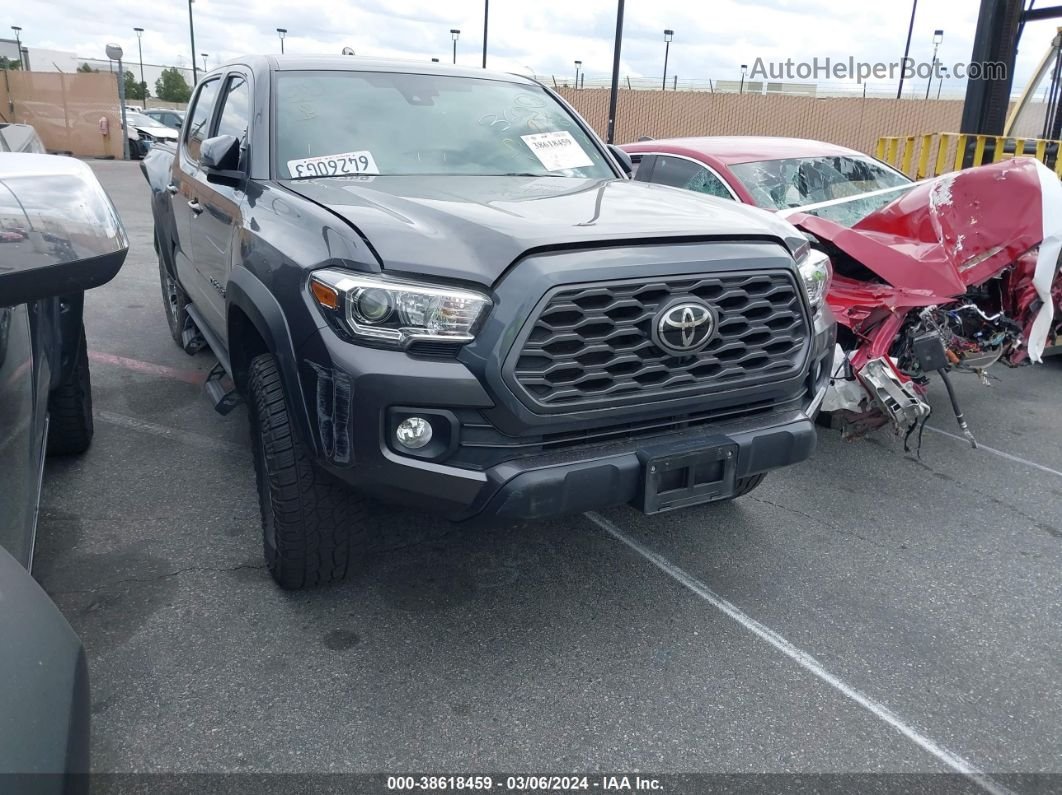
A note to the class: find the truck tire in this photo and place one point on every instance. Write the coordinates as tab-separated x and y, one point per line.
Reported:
745	485
175	303
70	407
310	520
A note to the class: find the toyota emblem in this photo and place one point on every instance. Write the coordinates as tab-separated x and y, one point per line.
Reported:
684	328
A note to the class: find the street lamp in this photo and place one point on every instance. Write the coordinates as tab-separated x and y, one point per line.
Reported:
435	60
282	32
577	65
191	34
455	32
668	34
114	52
744	68
18	45
938	37
204	61
140	50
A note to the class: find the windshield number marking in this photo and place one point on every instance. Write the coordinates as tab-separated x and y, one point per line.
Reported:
348	164
557	150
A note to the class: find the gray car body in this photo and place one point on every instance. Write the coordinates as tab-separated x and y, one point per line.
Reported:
245	256
69	239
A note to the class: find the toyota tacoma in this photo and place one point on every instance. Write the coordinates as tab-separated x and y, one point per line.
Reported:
437	285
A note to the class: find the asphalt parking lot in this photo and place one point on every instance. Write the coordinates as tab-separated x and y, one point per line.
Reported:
864	612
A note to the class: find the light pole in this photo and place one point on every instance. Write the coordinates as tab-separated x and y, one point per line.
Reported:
486	9
455	32
744	68
140	51
907	49
578	64
938	37
18	45
613	97
668	34
114	52
204	61
191	34
282	32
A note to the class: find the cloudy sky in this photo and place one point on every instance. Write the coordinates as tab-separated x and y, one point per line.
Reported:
712	37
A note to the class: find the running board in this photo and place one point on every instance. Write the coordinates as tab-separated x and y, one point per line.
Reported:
219	385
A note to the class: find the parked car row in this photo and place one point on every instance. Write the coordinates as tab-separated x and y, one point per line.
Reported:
460	300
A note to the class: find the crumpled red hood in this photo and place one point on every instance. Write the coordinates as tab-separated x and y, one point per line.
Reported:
947	234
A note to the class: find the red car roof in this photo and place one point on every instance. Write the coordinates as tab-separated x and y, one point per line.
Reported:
741	148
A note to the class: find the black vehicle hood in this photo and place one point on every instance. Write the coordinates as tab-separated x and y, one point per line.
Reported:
472	228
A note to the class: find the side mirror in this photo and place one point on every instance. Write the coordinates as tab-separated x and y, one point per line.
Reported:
59	232
220	157
624	159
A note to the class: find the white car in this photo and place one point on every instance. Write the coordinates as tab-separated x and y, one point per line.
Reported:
143	131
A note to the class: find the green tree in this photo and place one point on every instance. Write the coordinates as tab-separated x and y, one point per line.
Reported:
172	87
8	63
86	68
134	89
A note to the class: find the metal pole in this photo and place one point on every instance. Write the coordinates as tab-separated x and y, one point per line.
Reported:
907	49
614	96
667	49
191	33
140	50
455	52
18	46
486	11
121	103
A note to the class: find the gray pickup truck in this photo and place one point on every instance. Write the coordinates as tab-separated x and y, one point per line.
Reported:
437	285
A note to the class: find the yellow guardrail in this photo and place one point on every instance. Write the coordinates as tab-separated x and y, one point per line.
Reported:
922	156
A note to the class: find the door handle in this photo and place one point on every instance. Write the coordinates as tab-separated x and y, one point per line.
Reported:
172	189
195	206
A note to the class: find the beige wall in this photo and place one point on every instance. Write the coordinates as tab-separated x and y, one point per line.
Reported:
848	121
65	109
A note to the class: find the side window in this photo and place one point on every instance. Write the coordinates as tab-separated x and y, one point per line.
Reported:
643	168
636	162
681	173
201	113
235	110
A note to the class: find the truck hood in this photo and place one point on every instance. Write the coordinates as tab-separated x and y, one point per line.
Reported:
473	228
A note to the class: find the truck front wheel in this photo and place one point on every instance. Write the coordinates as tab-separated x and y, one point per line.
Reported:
311	522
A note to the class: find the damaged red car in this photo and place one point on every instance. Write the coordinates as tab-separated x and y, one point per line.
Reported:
950	274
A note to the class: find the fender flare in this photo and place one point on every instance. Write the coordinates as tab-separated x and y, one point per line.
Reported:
247	292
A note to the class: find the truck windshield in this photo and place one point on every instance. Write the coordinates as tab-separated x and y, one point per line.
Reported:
369	123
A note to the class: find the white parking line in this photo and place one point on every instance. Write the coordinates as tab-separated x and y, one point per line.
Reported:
186	437
1000	453
802	658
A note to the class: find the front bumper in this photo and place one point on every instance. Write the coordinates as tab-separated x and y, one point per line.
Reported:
350	392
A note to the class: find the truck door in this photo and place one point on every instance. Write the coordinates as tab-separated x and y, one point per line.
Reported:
187	206
219	223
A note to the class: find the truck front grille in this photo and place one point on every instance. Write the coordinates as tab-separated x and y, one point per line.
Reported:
591	345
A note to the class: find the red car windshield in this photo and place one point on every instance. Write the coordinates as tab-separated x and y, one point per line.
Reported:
795	182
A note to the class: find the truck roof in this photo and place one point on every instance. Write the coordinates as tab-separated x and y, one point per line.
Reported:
356	63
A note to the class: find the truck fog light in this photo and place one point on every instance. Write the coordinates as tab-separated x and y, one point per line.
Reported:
413	432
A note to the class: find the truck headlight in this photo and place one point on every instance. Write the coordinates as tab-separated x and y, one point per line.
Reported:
815	273
390	311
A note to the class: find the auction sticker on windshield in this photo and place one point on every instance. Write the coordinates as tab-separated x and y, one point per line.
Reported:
348	164
557	151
